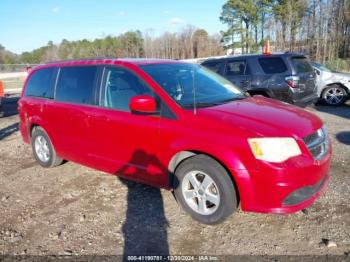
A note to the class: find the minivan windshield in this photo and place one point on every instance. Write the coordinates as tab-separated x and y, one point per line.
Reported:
188	84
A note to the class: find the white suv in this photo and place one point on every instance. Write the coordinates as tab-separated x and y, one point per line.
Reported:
333	88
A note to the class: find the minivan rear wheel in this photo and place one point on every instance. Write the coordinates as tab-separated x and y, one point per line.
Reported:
334	95
43	150
205	190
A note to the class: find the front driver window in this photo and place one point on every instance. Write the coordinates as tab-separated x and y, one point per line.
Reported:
237	68
120	86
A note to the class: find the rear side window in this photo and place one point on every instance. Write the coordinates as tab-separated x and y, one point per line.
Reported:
272	65
237	68
301	65
213	65
76	85
40	83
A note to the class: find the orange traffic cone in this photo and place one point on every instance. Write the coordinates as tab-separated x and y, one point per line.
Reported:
2	92
266	48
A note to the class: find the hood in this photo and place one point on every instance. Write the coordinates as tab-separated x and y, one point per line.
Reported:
335	76
262	116
341	76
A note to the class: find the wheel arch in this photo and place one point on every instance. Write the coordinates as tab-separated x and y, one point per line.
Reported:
32	127
54	159
34	122
181	156
347	89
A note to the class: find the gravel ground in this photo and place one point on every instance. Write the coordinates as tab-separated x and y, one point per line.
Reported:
74	210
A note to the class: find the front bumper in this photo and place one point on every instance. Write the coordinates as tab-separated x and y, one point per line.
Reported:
284	188
300	195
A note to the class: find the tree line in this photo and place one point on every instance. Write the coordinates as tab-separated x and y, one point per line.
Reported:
189	42
318	28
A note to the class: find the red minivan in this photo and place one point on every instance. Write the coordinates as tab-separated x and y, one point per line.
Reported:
177	126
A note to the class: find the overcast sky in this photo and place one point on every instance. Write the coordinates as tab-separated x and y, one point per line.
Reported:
29	24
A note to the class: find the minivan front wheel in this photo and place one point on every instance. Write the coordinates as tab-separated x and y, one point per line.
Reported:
43	151
205	190
334	95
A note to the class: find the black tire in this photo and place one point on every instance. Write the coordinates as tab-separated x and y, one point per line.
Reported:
334	89
53	159
223	185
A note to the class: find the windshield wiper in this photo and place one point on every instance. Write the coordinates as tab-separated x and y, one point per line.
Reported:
231	99
202	104
209	104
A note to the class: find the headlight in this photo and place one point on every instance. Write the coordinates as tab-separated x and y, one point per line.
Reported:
276	150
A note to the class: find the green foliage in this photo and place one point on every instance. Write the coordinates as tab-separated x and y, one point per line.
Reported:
290	10
246	21
26	57
231	37
200	37
189	42
129	44
338	64
264	10
6	57
243	18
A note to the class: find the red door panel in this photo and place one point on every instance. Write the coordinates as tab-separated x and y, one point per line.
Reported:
69	125
126	144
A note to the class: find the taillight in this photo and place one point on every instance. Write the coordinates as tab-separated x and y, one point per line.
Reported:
293	81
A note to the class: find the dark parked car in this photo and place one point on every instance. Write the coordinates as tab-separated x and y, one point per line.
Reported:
288	77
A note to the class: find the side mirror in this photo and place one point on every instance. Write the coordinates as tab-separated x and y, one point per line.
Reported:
143	104
317	72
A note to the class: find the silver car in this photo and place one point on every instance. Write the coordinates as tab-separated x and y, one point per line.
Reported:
333	88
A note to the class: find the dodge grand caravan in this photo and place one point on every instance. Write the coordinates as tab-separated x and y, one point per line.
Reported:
177	126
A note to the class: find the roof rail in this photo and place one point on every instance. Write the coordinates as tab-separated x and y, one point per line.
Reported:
80	59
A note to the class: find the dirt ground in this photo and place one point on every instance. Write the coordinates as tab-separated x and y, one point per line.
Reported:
74	210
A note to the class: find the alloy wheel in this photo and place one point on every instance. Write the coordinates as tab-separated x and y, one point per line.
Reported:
334	96
42	148
200	192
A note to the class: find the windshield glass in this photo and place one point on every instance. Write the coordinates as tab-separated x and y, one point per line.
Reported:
186	83
321	67
301	64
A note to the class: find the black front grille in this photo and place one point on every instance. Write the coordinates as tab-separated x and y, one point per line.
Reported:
317	143
303	193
